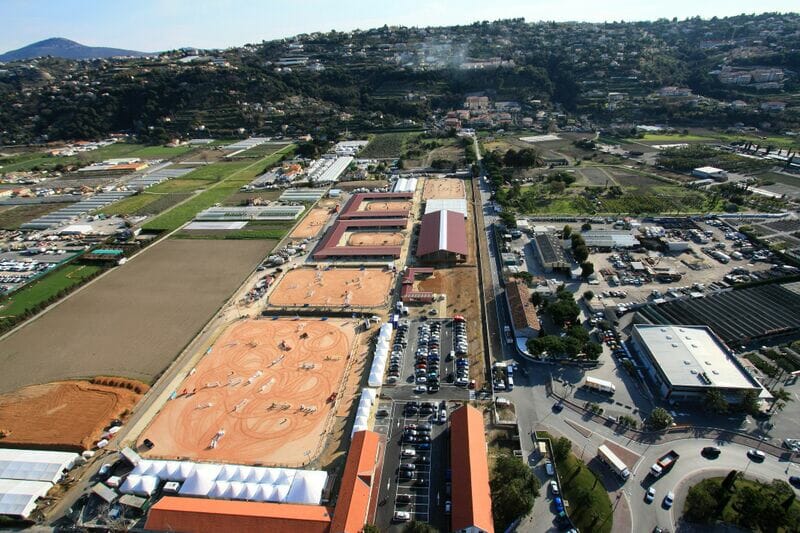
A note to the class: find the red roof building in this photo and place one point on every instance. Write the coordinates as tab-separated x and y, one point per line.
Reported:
358	493
355	207
202	515
331	245
523	312
471	495
443	238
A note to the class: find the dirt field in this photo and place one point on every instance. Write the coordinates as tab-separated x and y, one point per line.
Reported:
135	320
386	206
66	413
374	238
338	287
443	188
265	387
312	224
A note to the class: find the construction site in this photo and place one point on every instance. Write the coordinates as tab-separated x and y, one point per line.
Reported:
265	393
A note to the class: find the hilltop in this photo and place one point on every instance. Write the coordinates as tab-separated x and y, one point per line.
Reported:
64	48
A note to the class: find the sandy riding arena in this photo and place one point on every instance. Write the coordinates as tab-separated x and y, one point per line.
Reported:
337	287
69	414
443	188
375	238
264	394
312	224
386	206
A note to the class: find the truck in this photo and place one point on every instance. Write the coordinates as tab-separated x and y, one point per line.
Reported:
509	336
664	463
599	385
613	462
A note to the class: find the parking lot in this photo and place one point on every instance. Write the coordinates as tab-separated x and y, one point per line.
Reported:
416	473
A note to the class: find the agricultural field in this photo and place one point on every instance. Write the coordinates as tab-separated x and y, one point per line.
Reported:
42	290
13	216
711	136
386	145
229	178
133	321
42	161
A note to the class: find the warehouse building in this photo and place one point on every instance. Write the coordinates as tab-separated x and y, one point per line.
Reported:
471	495
686	362
442	238
550	251
716	174
610	240
458	205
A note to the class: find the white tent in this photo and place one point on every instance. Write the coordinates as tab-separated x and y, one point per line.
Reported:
307	487
18	497
201	481
139	485
35	465
369	393
363	410
280	493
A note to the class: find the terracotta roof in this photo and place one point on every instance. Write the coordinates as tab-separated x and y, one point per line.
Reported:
442	230
523	312
351	208
471	496
356	491
329	245
190	515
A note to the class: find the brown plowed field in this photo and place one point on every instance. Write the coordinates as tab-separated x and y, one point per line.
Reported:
65	413
312	224
443	188
266	384
375	238
133	321
338	287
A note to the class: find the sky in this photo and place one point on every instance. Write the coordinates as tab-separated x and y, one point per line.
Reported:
155	25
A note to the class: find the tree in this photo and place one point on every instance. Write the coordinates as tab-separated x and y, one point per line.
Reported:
730	480
537	298
419	527
566	232
586	227
514	488
563	311
750	403
593	351
580	253
781	396
715	402
587	269
561	449
508	218
659	418
588	295
700	505
371	528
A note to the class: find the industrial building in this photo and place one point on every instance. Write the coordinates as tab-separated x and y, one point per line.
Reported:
550	251
685	362
523	313
471	495
253	212
327	170
459	205
716	174
442	238
743	317
610	240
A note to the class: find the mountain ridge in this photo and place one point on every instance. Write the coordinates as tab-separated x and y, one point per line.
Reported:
67	49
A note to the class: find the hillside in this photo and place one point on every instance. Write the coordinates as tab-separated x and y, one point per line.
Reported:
64	48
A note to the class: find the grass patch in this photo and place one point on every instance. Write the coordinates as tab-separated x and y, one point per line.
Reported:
43	161
386	145
180	185
664	137
47	287
16	215
231	176
129	205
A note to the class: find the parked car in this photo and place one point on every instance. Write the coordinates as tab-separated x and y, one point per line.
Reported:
554	487
669	499
402	516
549	469
420	389
711	452
650	495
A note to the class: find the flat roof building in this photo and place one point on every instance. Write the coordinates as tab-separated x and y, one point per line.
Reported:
471	495
254	212
550	251
442	238
714	173
610	240
458	205
685	362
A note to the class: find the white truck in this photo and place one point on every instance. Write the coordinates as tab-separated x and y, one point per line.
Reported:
599	385
613	462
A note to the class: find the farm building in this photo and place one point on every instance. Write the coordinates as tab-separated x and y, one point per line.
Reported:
442	238
446	204
301	195
685	362
610	240
772	313
331	244
357	500
523	312
716	174
395	205
471	496
255	212
550	251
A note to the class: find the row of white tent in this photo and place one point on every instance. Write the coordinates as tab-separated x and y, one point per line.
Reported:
405	185
363	410
27	475
235	482
381	356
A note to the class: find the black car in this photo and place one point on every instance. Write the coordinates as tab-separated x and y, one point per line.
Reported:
404	498
711	452
423	459
433	388
795	480
422	481
382	413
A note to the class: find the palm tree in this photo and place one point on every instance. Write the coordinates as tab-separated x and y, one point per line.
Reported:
780	398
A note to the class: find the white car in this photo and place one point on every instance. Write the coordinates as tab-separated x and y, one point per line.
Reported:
650	495
669	499
402	516
554	487
420	389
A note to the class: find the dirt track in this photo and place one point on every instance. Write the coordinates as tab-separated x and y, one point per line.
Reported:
443	188
266	384
71	413
338	287
312	224
132	322
374	238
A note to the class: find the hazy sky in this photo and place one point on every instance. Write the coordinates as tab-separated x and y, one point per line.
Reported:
154	25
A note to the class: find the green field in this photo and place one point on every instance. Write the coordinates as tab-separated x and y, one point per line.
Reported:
229	178
386	145
11	217
663	137
775	140
45	288
43	161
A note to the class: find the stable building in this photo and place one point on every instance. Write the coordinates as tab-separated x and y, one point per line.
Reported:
471	495
686	362
442	238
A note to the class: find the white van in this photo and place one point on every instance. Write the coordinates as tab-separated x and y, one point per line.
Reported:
408	452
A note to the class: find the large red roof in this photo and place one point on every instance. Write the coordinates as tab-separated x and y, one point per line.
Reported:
352	207
471	495
359	483
442	230
202	515
329	245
